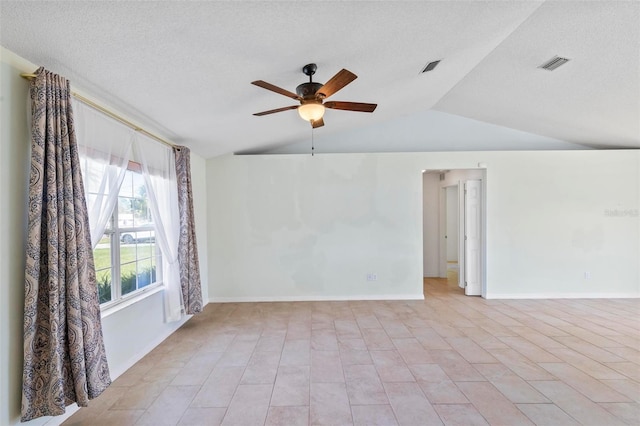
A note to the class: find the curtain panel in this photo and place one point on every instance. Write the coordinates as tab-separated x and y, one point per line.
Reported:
159	172
104	146
64	354
187	246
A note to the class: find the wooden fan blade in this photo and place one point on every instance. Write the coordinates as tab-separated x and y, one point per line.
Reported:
317	123
351	106
337	82
276	89
272	111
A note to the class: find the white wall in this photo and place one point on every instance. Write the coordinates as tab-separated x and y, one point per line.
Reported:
407	134
14	168
452	225
430	224
301	227
130	332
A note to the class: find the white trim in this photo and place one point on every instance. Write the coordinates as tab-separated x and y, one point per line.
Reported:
563	296
119	305
242	299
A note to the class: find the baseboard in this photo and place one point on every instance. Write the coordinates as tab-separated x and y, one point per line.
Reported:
563	296
243	299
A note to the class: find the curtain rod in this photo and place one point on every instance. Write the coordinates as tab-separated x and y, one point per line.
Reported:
111	114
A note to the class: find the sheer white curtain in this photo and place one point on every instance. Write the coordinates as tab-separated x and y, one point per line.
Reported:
104	147
159	171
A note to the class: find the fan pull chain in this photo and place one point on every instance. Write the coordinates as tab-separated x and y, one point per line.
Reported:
312	147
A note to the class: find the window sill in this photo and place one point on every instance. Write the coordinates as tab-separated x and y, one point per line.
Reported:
124	303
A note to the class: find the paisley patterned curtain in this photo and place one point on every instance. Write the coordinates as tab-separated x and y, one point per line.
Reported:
64	355
187	246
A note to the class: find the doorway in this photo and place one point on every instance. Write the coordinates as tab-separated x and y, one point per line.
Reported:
453	228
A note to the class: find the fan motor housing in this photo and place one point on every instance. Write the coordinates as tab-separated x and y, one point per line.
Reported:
308	90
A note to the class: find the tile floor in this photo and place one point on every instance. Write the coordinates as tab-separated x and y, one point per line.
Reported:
449	359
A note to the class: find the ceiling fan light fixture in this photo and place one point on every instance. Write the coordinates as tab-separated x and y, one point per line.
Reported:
311	111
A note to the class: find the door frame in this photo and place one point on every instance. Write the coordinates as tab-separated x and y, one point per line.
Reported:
442	263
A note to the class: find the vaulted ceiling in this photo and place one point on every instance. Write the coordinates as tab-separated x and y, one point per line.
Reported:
184	68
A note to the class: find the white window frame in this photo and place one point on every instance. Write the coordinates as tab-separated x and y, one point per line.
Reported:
114	233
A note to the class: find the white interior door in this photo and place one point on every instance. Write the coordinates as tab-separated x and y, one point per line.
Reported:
473	237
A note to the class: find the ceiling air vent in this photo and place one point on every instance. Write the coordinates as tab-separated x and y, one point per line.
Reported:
554	63
430	66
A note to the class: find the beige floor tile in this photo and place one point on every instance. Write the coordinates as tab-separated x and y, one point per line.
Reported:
456	367
139	396
364	386
270	343
547	415
202	417
377	339
326	366
460	415
521	365
443	392
249	405
329	404
428	372
261	369
197	369
324	340
482	338
628	412
510	385
169	407
373	415
288	416
629	369
296	352
588	349
572	402
529	350
412	351
583	383
219	388
536	337
347	329
292	386
356	344
410	405
114	418
593	368
355	357
474	359
368	321
396	329
492	404
627	387
428	337
470	350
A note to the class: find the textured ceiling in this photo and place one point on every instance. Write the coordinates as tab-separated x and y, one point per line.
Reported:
183	68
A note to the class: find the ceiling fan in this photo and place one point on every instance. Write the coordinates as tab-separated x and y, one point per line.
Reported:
311	96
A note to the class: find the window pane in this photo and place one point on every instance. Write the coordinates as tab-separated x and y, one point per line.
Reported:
103	278
126	190
128	277
146	272
132	236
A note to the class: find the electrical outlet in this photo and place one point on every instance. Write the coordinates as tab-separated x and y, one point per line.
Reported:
587	275
372	277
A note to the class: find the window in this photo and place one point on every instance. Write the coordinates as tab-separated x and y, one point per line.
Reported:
127	256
